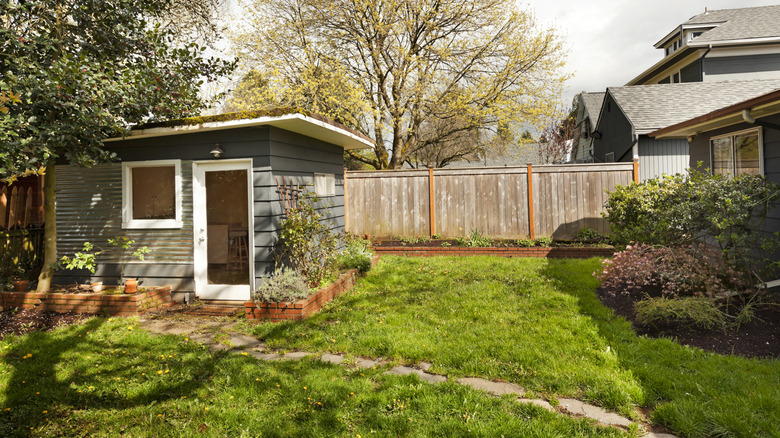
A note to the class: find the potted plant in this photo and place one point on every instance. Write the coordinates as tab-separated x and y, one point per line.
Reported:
86	260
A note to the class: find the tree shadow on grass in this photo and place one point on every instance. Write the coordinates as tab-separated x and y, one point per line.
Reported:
50	377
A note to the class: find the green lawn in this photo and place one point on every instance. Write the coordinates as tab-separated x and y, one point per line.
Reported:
538	323
107	378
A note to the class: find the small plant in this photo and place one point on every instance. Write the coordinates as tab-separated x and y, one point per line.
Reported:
525	243
544	241
475	239
588	234
446	244
436	236
284	284
356	255
409	240
690	311
85	259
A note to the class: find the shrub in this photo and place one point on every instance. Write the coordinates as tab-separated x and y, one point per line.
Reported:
356	255
525	243
690	311
307	242
284	285
544	241
688	270
588	234
474	239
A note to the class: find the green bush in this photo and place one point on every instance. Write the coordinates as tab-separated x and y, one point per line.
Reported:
284	285
307	242
688	311
544	241
588	234
525	243
475	239
356	255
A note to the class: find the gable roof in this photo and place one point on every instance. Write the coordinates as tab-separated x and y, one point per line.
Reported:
733	25
593	102
652	107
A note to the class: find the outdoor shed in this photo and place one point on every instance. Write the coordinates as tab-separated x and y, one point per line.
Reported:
202	194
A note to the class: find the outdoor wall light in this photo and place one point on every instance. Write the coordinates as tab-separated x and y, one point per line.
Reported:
217	151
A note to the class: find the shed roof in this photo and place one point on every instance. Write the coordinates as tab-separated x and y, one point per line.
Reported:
652	107
291	119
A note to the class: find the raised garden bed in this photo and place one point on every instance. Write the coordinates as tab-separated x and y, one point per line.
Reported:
90	302
286	311
508	248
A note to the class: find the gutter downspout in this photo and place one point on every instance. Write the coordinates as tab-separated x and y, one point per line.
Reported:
751	120
701	62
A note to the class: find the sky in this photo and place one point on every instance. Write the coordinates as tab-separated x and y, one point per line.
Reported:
611	41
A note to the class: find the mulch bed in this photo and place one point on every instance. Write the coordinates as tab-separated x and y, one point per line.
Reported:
19	322
759	338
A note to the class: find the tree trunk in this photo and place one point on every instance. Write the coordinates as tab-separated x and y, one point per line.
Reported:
50	230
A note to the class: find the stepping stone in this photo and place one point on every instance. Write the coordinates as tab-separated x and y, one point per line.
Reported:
265	356
365	363
537	402
219	347
425	366
405	371
294	355
201	337
577	407
335	359
242	341
166	328
659	435
495	388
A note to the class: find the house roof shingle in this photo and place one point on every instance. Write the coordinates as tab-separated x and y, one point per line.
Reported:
737	24
593	102
652	107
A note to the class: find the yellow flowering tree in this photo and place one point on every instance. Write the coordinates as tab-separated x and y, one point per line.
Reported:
414	75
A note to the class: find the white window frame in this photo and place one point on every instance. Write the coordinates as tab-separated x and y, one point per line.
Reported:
734	134
328	180
127	196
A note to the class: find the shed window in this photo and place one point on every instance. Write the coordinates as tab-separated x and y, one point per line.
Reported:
325	184
151	194
739	153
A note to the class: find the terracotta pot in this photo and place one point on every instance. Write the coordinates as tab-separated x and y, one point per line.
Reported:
21	285
131	286
97	287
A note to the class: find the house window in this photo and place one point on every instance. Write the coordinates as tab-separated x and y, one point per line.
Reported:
739	153
325	184
151	194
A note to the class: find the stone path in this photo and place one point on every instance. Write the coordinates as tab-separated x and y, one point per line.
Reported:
248	345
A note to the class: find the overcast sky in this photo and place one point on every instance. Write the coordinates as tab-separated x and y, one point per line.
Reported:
610	42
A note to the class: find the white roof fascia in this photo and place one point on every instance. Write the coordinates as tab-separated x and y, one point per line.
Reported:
762	40
298	123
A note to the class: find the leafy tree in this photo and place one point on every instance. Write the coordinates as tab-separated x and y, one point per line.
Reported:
411	74
85	70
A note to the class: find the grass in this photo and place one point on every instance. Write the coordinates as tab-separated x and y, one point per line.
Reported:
538	323
107	378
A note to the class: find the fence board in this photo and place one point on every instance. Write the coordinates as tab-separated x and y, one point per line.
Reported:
492	200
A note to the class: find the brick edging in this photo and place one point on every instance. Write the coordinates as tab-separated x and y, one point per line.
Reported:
94	304
301	309
545	252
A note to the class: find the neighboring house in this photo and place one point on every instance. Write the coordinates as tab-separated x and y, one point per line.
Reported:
728	44
742	138
629	114
202	195
588	110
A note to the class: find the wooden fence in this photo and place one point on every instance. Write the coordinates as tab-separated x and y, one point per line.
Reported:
504	202
21	222
20	208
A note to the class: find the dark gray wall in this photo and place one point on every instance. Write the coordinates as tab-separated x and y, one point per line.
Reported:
751	67
700	152
691	72
616	132
89	201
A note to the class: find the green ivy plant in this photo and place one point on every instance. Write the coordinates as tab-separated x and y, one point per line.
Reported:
86	258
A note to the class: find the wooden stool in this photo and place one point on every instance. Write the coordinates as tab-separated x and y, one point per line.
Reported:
238	247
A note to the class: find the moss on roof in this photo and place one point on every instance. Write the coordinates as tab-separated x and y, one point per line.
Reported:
227	117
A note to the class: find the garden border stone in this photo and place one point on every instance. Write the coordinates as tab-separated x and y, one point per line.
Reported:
91	303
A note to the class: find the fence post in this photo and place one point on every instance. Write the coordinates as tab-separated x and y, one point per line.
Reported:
636	170
531	232
3	207
431	216
346	201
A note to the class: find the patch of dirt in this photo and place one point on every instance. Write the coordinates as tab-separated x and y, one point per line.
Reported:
20	322
759	338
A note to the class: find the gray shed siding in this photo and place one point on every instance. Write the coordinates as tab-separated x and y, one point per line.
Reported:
659	157
700	152
765	66
616	133
274	153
